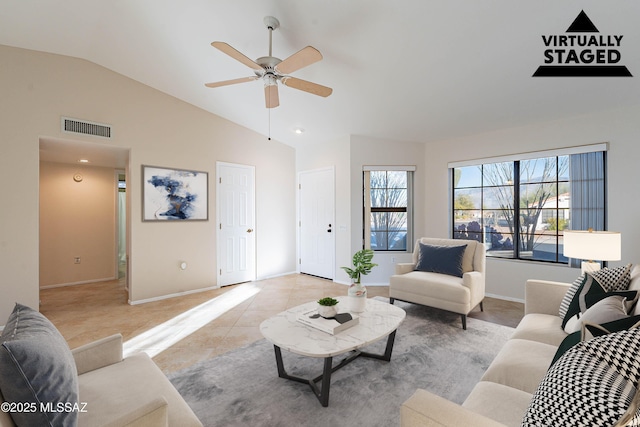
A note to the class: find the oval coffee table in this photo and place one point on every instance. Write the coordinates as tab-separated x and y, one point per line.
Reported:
284	331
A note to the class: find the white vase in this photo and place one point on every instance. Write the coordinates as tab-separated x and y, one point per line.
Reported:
327	310
357	294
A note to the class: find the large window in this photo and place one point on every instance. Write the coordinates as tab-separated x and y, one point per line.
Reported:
387	208
519	208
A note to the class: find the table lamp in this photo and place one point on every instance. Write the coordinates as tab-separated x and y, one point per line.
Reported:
592	245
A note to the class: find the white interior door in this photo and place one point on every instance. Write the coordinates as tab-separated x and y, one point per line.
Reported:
236	235
317	217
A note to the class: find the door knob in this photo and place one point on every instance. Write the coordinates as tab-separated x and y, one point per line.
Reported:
250	230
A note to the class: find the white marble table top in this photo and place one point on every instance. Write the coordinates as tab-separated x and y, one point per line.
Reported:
377	321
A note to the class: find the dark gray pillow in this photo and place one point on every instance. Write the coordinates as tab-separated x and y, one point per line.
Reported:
37	369
441	259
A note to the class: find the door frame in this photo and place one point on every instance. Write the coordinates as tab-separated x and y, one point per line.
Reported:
299	219
218	221
125	226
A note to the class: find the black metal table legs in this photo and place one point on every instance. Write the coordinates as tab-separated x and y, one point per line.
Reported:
322	392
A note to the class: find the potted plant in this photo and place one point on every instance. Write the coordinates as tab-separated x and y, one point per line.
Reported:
362	266
327	307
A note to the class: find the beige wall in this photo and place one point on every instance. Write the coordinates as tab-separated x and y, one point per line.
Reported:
77	219
38	88
620	128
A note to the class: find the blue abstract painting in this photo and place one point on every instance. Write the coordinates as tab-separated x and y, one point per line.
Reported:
174	194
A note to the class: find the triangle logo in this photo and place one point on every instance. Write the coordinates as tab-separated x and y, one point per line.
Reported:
582	24
582	51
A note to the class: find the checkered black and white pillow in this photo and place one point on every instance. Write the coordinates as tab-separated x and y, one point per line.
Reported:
620	350
592	384
613	279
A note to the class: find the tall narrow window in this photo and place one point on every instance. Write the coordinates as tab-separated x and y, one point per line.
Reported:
519	208
388	195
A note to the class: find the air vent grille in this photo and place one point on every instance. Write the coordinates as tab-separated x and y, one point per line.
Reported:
86	128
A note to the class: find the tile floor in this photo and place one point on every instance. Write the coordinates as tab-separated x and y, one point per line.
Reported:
214	322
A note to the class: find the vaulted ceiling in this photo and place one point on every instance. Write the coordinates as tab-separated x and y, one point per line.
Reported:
412	70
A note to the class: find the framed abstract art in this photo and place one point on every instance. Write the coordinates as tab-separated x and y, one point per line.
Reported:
174	194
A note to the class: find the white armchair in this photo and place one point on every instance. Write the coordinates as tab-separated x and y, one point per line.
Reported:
443	291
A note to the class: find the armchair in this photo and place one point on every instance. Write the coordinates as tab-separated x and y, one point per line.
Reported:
443	291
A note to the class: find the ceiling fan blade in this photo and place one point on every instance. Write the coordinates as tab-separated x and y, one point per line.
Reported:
271	96
231	82
224	47
306	86
300	59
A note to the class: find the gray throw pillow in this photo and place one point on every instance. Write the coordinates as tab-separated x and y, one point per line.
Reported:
606	310
441	259
37	370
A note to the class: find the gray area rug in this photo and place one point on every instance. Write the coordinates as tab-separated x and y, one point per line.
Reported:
431	351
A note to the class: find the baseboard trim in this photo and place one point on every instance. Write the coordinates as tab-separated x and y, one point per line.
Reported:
275	276
505	298
342	282
177	294
195	291
83	282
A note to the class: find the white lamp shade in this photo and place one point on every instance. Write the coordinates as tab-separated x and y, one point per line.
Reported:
592	245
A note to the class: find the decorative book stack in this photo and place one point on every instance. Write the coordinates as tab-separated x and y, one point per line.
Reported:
332	325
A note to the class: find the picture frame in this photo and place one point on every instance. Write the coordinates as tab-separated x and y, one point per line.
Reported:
174	195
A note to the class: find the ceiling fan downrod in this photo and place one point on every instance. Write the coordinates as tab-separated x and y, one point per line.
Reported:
272	24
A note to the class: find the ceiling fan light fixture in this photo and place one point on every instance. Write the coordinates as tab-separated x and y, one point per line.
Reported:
270	80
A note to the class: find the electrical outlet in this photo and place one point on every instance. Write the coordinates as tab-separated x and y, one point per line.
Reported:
393	260
76	260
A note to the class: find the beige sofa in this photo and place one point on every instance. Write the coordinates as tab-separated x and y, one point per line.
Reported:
504	393
447	292
123	392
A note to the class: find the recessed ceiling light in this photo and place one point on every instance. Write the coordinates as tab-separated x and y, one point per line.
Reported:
298	131
83	161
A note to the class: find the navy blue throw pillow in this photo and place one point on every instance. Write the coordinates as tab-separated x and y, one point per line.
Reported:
441	259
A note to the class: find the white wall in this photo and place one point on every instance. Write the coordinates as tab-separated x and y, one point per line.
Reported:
37	88
334	154
348	155
621	128
367	151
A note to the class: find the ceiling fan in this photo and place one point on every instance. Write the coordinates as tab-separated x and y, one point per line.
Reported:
273	70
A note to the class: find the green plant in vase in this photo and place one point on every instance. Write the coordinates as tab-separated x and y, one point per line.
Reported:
327	301
362	266
327	307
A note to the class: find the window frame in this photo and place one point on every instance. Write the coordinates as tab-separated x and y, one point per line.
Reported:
368	209
516	203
